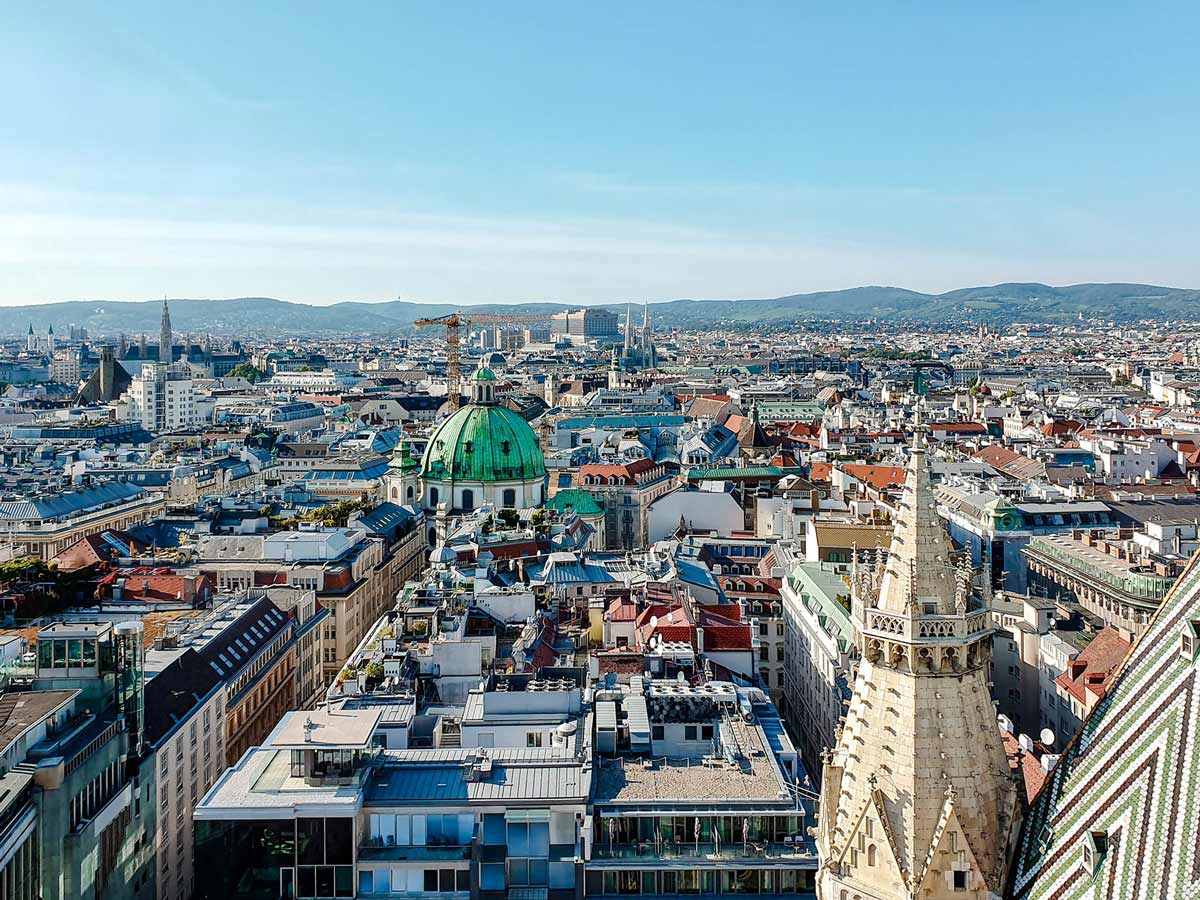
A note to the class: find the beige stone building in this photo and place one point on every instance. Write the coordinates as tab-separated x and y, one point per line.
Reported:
46	525
917	797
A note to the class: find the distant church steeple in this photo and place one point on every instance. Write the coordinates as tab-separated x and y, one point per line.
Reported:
164	335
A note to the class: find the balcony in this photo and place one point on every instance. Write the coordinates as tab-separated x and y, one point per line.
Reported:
756	852
378	851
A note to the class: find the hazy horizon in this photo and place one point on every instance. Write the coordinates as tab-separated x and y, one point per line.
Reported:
472	155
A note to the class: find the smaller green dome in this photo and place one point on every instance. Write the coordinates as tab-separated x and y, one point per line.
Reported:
485	374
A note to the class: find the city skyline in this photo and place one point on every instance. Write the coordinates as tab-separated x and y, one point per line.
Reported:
562	155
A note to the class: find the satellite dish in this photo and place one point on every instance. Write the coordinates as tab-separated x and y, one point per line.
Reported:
1047	737
654	621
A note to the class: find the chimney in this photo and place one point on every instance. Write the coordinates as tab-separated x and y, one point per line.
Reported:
189	588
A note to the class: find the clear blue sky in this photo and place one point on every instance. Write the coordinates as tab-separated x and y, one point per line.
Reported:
520	151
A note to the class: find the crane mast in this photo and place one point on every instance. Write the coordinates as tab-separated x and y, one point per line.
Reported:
454	323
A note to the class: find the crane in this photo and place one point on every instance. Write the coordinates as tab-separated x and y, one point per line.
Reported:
453	323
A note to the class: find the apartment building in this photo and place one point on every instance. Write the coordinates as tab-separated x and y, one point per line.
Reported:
345	567
818	651
161	399
46	525
627	490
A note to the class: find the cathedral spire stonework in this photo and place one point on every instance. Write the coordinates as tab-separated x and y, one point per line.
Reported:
917	796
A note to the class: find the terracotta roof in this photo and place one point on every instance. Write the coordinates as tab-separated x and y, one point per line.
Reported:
1059	427
1010	462
621	663
958	427
728	638
1091	671
626	472
756	585
879	477
820	471
1033	776
90	550
621	610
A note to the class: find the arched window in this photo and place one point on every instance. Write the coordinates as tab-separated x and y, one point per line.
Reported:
433	496
468	499
510	498
410	492
871	855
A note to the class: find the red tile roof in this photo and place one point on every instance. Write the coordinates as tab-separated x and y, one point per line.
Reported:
621	610
727	638
626	473
1060	427
959	427
879	477
1033	776
1090	671
820	471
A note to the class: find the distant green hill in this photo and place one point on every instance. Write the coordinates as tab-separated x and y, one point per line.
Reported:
262	316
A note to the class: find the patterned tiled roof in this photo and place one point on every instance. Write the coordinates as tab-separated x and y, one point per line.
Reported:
1120	815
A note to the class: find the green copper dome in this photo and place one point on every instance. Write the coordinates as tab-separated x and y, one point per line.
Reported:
484	443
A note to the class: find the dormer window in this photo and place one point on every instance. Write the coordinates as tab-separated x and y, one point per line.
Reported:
1095	849
1189	641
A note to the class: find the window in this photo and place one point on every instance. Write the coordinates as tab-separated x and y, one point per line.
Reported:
960	880
657	732
509	499
689	732
1189	640
1095	848
533	739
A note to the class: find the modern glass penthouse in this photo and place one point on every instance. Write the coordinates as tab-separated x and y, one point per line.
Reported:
654	787
320	811
697	790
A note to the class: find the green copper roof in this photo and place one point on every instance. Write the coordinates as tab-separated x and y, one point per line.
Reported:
718	473
485	374
483	443
403	460
583	503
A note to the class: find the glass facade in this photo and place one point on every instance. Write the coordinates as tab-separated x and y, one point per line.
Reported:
696	881
706	835
288	859
67	653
